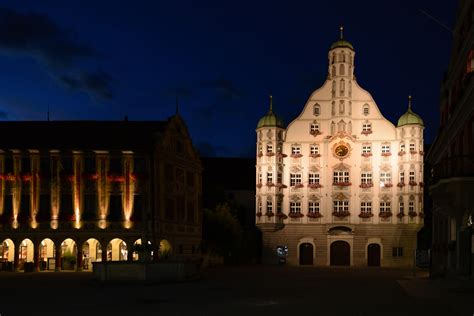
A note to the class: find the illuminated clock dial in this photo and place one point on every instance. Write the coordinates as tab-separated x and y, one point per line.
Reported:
341	151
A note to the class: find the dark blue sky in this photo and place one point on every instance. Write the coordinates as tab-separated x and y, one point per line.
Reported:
102	60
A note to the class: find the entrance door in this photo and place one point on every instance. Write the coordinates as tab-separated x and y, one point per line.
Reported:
306	254
373	255
340	253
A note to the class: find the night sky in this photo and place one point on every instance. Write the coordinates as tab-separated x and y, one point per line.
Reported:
101	60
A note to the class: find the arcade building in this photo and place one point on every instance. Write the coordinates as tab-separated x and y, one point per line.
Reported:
77	192
340	185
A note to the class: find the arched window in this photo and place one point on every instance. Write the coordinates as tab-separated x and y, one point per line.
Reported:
342	87
341	126
341	107
341	70
316	110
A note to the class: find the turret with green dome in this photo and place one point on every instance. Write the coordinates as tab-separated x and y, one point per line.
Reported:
270	119
341	42
410	117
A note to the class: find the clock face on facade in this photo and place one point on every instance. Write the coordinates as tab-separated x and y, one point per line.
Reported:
341	151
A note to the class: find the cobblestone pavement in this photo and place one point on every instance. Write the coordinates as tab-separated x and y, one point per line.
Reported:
258	290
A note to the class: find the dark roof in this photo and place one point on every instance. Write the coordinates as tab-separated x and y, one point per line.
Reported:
79	135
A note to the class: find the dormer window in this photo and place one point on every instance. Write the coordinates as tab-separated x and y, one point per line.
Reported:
317	110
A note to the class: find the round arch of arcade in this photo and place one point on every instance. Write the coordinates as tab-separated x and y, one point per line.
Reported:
71	254
306	251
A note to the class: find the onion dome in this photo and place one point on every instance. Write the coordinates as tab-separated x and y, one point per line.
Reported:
342	42
271	119
410	117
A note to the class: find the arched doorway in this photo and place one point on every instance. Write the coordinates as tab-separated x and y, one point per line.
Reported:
7	253
306	254
91	252
340	253
373	255
117	250
68	254
165	249
26	253
47	253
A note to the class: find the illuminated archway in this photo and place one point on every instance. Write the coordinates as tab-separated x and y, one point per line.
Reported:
26	252
165	249
139	250
68	254
91	252
7	254
117	250
47	254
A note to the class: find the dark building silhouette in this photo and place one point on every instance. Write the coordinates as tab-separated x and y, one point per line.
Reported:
451	157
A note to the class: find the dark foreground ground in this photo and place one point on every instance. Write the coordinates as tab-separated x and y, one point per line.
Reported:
259	290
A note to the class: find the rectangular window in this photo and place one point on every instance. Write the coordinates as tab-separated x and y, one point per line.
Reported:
314	149
366	177
269	177
402	147
314	128
317	110
341	206
259	178
314	178
412	147
397	252
385	149
401	207
295	207
366	149
385	206
313	206
402	177
295	150
411	206
279	177
269	148
295	178
365	207
366	127
366	110
412	176
269	206
385	178
340	176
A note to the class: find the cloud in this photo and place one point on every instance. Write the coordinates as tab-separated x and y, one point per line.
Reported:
39	37
96	84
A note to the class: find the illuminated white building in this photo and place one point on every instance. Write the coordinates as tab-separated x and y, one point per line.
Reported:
340	185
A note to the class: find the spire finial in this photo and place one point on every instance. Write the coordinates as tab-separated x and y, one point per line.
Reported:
409	101
341	29
271	103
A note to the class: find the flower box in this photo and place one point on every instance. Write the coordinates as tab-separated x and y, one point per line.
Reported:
314	186
366	185
386	154
259	185
421	152
259	214
270	184
299	185
366	155
296	155
270	154
269	214
295	215
401	153
385	214
314	155
366	132
280	185
279	154
366	214
413	152
341	214
388	185
412	214
315	132
400	215
282	215
400	184
314	215
421	184
412	183
342	184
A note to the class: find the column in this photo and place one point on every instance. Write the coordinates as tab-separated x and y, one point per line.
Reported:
79	259
16	257
36	256
58	256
